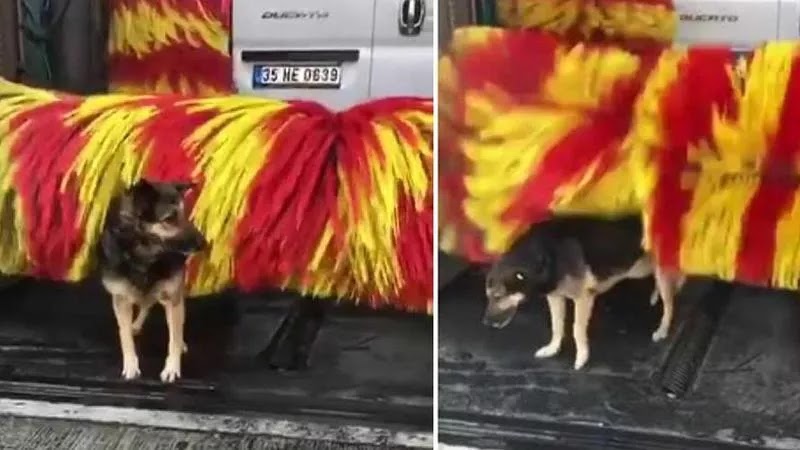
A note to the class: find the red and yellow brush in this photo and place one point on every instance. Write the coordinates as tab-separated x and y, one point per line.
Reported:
723	193
531	125
553	103
290	194
702	143
628	22
170	46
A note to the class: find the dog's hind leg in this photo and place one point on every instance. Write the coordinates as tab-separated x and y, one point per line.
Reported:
580	329
558	315
123	311
668	285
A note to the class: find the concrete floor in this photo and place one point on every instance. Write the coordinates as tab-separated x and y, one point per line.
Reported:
19	433
33	424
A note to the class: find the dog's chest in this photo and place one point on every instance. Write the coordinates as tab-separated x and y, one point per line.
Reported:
129	272
166	290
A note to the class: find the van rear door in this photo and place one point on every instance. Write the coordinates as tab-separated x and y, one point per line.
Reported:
304	49
740	23
402	49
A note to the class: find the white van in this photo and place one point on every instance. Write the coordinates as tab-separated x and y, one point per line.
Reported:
339	53
740	23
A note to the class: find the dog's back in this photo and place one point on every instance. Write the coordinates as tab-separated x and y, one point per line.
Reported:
571	256
607	246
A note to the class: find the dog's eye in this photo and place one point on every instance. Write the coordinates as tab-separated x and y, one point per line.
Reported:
520	276
171	217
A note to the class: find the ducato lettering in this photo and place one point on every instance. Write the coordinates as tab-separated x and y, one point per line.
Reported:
718	18
289	15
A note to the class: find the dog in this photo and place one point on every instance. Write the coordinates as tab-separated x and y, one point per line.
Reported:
578	258
145	242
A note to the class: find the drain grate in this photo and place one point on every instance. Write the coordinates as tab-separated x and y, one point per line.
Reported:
691	345
290	346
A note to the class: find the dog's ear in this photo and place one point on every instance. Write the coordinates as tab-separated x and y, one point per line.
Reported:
183	187
142	187
142	195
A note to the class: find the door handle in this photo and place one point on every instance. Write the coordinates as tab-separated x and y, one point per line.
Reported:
411	17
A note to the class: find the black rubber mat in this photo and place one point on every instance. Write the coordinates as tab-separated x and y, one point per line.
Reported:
743	389
59	343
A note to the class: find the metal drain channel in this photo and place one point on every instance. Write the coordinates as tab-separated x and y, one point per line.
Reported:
691	345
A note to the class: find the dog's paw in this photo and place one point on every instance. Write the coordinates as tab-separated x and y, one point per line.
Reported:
581	357
130	368
660	334
172	370
654	298
547	351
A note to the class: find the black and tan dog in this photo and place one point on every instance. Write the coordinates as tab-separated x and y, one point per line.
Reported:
574	258
144	246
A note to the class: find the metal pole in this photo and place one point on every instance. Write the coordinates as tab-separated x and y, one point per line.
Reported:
453	14
9	43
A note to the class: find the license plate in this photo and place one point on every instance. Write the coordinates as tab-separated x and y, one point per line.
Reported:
294	76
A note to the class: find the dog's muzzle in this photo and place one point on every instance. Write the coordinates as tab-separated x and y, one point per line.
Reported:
192	242
494	288
500	310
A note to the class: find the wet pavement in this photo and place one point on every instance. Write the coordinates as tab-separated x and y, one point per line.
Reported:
742	390
59	343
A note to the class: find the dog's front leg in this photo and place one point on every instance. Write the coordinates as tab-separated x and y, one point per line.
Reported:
580	329
141	316
123	310
175	312
557	306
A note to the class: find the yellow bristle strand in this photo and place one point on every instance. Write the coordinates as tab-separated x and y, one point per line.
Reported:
229	149
620	20
509	144
111	160
647	134
741	144
506	13
368	262
582	80
583	77
375	230
320	266
557	16
467	38
786	261
632	20
17	99
610	195
415	162
144	28
448	236
712	228
502	158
